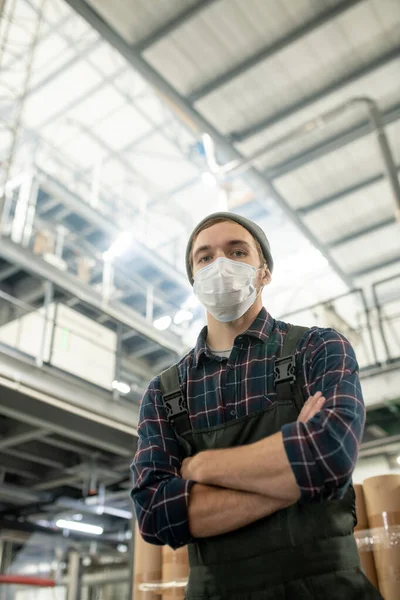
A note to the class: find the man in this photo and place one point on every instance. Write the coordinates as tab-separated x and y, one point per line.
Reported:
258	484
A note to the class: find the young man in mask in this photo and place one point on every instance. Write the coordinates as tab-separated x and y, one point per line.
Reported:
259	487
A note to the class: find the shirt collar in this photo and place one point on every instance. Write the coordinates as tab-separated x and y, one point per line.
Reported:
260	329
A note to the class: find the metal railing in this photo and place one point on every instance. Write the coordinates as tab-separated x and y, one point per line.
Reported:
373	330
56	335
22	222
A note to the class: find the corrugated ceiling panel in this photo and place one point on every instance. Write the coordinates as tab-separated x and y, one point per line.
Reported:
352	213
382	85
373	249
134	20
338	170
224	35
366	281
325	55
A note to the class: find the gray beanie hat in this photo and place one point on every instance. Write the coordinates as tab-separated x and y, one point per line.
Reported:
252	227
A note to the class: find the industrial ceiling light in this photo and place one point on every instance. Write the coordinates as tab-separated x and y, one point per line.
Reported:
191	302
120	246
398	460
123	548
162	323
209	179
182	316
81	527
121	387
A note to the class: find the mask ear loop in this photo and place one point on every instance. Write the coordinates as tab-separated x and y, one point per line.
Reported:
262	286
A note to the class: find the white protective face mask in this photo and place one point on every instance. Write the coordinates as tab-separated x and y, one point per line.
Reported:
226	288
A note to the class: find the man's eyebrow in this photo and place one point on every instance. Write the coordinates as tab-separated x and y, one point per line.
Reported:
238	243
201	249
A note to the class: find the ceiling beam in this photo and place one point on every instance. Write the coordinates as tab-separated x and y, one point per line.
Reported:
22	468
21	434
362	232
197	122
16	493
170	26
376	267
343	193
362	129
52	483
35	458
271	50
30	410
334	86
7	272
62	69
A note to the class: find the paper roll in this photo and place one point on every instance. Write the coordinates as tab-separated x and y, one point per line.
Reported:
382	500
147	567
362	519
175	569
364	541
365	549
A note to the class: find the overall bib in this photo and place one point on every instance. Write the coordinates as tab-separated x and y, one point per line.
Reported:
305	551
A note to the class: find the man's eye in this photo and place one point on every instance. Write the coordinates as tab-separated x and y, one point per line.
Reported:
239	253
204	259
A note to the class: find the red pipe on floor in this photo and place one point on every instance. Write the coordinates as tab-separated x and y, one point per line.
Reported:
24	580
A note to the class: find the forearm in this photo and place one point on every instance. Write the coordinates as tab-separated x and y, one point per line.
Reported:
214	511
260	468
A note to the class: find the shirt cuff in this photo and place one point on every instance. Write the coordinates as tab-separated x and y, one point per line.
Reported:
174	529
297	441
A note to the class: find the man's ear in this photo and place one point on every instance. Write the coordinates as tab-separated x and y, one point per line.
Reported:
266	275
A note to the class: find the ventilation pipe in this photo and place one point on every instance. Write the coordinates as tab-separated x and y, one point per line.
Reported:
319	122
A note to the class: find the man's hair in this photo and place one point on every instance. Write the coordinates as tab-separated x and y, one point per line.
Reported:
215	221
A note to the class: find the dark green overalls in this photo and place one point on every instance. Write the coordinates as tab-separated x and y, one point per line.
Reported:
305	551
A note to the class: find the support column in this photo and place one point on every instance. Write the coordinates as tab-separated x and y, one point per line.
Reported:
43	356
74	576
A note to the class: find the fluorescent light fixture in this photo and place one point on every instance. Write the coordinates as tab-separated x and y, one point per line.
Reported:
209	150
182	316
209	179
398	460
123	548
121	387
191	302
120	246
81	527
163	323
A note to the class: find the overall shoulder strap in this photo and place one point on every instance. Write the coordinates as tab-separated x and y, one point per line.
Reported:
174	402
287	381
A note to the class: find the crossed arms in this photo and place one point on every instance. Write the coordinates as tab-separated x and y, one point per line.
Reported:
218	491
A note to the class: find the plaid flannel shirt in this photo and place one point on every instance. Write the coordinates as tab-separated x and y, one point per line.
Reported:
322	452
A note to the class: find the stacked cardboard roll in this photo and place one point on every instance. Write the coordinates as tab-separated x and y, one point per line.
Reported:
147	567
84	268
382	500
365	549
175	568
44	242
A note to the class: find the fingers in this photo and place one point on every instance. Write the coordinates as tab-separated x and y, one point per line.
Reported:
311	407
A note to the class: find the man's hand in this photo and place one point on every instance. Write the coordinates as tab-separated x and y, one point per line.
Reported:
312	406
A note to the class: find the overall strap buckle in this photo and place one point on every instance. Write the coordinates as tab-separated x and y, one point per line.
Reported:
174	401
285	378
175	404
285	370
